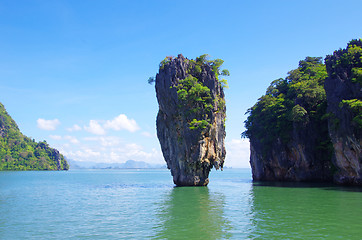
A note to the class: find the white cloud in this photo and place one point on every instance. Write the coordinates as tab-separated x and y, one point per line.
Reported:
238	153
72	139
122	122
48	125
109	149
74	128
55	137
95	128
106	141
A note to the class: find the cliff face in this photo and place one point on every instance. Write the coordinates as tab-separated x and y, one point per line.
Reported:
289	138
302	159
18	152
190	121
300	132
344	95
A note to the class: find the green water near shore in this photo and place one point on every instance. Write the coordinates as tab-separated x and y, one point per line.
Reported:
144	204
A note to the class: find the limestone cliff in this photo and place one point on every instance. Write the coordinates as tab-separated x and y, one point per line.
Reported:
190	121
308	126
302	159
289	138
344	94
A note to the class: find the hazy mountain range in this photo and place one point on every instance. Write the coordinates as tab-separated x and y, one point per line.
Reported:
99	165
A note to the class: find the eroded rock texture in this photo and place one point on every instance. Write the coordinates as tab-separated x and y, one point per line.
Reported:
344	128
190	127
289	138
300	160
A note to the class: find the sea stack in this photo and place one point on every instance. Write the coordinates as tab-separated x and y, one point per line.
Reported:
308	126
191	117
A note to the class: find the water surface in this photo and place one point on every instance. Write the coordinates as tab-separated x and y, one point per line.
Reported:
144	204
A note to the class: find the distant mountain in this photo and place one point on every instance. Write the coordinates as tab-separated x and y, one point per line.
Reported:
127	165
18	152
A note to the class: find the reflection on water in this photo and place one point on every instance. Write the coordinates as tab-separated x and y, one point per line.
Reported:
305	211
192	213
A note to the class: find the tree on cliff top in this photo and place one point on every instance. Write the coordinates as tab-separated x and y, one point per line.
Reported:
297	99
349	61
193	95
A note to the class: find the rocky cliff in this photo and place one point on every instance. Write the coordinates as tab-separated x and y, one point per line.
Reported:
191	117
307	127
344	94
288	138
18	152
302	159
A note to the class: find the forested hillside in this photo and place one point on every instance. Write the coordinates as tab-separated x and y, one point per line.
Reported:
19	152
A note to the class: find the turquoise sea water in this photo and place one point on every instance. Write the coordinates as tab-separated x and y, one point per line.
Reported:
144	204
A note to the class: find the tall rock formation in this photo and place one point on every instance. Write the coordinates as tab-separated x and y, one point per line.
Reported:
308	126
288	138
344	94
18	152
191	118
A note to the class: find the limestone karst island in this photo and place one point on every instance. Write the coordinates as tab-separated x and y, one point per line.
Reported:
191	117
308	126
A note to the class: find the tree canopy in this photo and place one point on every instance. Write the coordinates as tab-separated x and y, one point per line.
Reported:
18	152
294	100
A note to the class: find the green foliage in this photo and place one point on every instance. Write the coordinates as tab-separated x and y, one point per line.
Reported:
165	61
356	106
298	114
18	152
196	98
151	80
193	96
199	124
195	68
225	72
351	59
297	99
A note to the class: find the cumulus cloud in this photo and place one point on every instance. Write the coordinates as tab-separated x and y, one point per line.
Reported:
95	128
48	125
122	122
109	150
71	139
74	128
105	141
237	153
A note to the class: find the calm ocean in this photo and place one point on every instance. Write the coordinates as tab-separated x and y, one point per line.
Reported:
144	204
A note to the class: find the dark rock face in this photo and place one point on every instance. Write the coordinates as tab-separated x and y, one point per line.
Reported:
297	161
189	153
328	147
344	133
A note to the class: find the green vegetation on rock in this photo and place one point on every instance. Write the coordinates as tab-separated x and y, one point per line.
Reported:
18	152
349	62
289	103
351	59
195	97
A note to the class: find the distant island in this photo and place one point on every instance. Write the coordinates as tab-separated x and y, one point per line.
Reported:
308	126
130	164
19	152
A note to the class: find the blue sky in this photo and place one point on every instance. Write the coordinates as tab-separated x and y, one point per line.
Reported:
74	73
